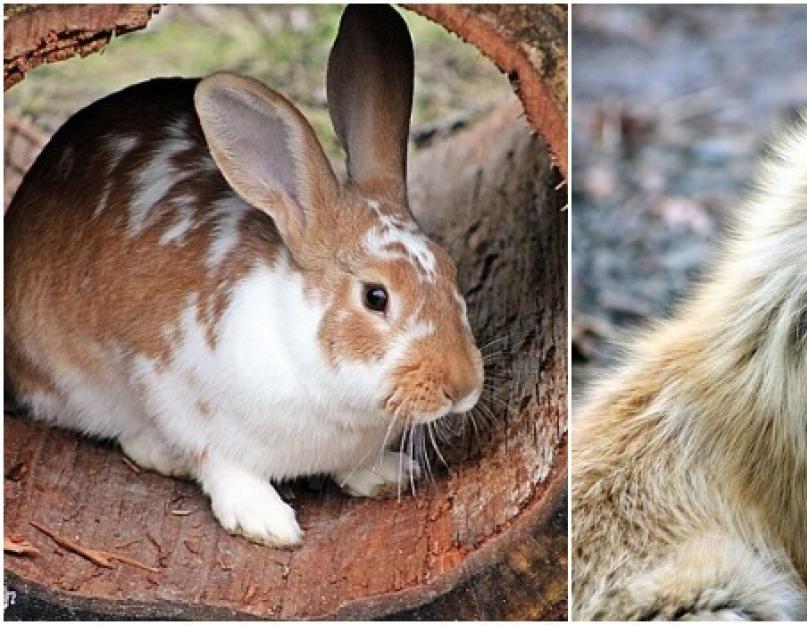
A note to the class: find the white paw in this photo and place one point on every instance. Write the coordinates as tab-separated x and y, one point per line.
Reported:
248	505
148	451
259	515
391	474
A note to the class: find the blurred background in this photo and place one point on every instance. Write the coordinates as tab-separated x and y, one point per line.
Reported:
672	107
286	46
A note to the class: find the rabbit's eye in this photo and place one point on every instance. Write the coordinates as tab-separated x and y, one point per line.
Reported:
375	298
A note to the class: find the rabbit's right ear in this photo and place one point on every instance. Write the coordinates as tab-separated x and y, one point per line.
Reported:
370	76
267	152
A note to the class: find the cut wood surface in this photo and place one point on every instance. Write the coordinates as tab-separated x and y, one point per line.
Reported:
36	34
486	540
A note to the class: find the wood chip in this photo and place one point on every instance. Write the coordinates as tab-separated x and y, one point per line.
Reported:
17	472
131	562
250	594
19	546
136	469
96	556
224	566
181	512
156	543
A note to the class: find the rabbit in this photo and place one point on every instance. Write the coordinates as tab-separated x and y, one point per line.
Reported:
689	479
186	275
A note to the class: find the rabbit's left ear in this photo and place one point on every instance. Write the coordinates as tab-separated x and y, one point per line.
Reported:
268	153
370	76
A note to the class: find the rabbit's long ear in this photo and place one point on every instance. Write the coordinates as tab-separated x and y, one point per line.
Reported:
370	75
267	151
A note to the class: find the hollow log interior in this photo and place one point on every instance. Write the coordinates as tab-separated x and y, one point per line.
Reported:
484	540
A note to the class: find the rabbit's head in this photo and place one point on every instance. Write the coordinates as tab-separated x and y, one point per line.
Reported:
393	326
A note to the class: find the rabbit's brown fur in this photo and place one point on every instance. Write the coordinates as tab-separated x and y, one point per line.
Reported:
137	308
689	478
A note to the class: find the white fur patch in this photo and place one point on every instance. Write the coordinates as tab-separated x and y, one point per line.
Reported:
392	230
102	203
118	147
379	240
157	177
246	504
186	213
227	214
103	407
271	399
42	404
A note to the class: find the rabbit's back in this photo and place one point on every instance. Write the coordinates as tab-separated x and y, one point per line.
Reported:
121	223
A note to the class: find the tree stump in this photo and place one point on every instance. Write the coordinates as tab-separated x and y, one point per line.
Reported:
485	540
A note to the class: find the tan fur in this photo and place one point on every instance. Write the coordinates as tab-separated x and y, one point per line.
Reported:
689	479
448	360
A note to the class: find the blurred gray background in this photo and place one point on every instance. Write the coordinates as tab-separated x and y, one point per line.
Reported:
672	107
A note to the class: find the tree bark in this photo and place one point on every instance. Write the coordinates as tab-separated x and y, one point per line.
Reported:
528	43
486	540
36	34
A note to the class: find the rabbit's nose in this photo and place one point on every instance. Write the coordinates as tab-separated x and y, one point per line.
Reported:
464	387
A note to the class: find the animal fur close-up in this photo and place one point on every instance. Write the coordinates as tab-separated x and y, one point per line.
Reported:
689	470
307	335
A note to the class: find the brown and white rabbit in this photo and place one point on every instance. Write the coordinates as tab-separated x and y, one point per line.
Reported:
185	274
689	477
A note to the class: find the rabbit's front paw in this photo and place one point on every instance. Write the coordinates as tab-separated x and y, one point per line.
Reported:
390	475
248	505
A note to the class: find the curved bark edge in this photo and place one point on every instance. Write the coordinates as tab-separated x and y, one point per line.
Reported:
438	600
544	115
48	33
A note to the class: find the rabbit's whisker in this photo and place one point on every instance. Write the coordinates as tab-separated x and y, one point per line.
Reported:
411	473
355	467
401	451
392	421
434	444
